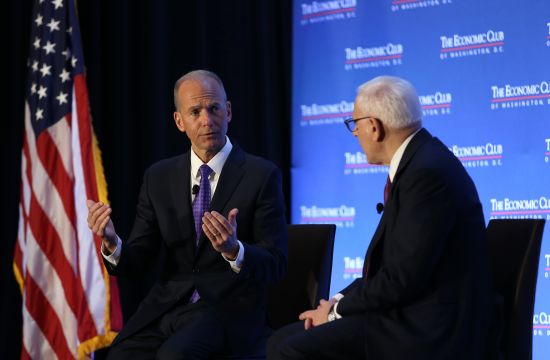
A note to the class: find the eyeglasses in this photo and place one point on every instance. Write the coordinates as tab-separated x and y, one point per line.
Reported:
351	123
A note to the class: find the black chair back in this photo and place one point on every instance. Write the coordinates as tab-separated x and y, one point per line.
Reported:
308	275
514	250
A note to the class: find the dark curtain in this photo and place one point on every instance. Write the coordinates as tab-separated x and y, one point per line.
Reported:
134	51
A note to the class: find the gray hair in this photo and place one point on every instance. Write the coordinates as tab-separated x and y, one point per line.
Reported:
197	75
392	100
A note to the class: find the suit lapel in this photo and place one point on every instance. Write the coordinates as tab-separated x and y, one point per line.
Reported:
416	142
231	176
180	187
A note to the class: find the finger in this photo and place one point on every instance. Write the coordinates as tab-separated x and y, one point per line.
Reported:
98	214
105	213
206	230
94	212
223	222
214	225
232	216
90	203
91	210
308	324
304	315
214	240
97	225
103	225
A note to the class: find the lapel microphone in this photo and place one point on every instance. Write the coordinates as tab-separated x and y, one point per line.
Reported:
379	208
195	189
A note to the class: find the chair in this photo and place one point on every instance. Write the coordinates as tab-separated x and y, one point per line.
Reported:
308	275
307	279
514	248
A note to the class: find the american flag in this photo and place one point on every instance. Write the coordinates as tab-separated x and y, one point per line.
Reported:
70	305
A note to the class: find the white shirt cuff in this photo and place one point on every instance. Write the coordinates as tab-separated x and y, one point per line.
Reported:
115	256
237	264
337	297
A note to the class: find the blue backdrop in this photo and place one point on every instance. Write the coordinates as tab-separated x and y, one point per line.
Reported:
482	72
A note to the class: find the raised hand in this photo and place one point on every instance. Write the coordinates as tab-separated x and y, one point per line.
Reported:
222	232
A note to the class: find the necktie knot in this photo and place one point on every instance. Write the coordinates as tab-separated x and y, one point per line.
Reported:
205	171
387	189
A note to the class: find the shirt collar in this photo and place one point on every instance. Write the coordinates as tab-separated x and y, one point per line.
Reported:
396	158
216	163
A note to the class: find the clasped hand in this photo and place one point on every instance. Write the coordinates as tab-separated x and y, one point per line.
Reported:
317	316
222	232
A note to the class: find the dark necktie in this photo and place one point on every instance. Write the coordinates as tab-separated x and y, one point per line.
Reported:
200	206
201	201
387	190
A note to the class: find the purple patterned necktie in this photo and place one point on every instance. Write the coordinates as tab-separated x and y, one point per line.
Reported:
201	201
200	206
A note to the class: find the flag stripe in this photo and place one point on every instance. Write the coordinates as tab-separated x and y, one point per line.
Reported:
86	145
46	319
35	344
53	160
90	266
59	133
24	354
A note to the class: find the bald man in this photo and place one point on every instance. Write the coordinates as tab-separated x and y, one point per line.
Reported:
219	213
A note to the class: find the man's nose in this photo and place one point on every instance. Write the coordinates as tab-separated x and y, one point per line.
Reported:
206	118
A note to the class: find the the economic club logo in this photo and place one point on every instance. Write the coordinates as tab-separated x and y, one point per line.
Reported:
355	163
527	208
323	11
353	267
541	323
325	114
342	216
390	54
483	155
459	46
436	104
511	96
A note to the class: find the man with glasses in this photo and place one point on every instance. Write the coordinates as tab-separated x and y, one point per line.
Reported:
426	290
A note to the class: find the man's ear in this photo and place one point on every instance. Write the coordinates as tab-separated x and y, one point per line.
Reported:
378	131
179	121
229	111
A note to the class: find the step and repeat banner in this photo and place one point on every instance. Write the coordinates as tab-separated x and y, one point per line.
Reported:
482	72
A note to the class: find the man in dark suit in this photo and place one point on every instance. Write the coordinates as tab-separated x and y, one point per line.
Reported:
210	299
426	291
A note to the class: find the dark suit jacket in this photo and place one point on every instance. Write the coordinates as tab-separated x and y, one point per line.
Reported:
428	291
164	218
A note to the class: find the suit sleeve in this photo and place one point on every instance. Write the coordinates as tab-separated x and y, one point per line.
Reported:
414	237
265	260
141	248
